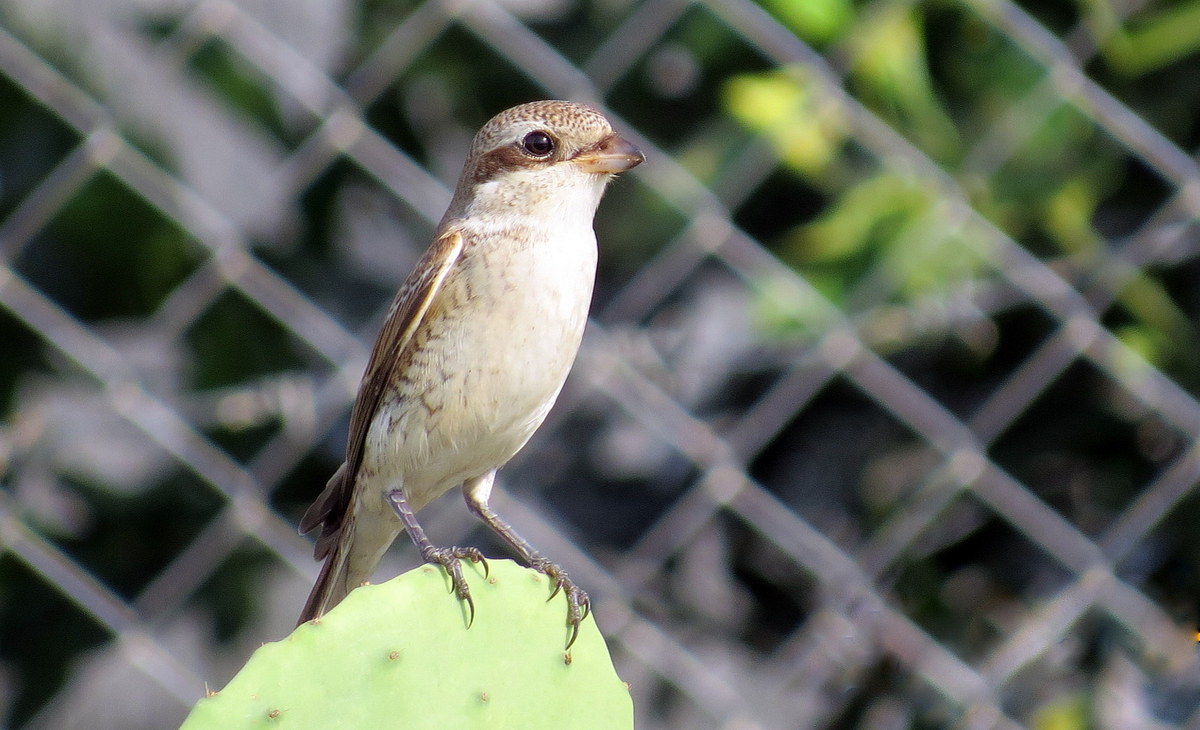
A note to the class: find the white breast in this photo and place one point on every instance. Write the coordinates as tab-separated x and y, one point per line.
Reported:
502	339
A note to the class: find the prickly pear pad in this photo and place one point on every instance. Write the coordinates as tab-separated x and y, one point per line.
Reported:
400	655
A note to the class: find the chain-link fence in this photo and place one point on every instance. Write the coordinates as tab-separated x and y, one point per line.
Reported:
887	413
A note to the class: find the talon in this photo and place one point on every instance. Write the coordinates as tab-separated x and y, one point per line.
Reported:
470	609
579	606
450	559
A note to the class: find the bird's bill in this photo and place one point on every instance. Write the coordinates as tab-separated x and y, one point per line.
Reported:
615	154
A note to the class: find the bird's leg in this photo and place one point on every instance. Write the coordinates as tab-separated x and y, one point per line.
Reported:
477	491
449	558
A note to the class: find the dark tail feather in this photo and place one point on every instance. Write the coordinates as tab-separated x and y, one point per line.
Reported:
329	590
351	546
330	587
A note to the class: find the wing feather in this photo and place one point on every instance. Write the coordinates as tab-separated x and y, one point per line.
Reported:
406	315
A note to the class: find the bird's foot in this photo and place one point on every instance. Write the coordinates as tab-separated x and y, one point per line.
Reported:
578	603
450	558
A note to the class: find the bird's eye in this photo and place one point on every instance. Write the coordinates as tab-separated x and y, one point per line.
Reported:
538	144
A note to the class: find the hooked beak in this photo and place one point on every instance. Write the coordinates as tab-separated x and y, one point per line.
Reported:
615	154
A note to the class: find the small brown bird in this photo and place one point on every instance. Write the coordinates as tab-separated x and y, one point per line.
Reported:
475	348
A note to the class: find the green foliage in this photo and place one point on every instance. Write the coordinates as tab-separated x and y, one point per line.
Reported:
890	65
899	222
880	234
1065	713
401	655
814	20
885	220
806	128
1166	36
234	340
245	92
101	265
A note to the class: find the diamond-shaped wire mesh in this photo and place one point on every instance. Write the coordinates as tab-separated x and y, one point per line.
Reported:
887	415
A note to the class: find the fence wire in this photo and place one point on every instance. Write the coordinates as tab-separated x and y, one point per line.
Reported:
944	479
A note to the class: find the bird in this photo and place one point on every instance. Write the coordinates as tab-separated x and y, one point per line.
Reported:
475	349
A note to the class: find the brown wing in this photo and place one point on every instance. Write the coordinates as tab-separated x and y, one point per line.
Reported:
407	312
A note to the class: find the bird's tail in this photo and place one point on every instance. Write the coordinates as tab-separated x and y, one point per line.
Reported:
353	539
334	582
361	542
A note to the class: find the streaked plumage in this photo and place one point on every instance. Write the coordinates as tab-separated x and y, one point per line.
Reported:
477	343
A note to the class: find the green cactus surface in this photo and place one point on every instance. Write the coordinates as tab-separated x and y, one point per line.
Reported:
400	655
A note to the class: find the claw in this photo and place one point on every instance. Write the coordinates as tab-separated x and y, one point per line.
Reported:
476	492
451	561
470	609
579	606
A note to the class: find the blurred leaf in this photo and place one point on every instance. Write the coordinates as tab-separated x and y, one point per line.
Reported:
814	20
1160	40
1145	343
786	106
926	257
234	341
1053	183
855	219
780	308
107	253
1161	332
890	63
234	80
1065	713
1068	216
897	222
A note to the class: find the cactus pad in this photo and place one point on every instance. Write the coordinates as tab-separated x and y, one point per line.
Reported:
400	655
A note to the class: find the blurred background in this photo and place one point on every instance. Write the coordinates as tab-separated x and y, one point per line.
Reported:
887	416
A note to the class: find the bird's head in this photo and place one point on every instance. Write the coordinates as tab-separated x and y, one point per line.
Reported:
536	158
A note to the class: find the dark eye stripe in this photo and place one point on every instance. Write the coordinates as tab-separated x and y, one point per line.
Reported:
505	158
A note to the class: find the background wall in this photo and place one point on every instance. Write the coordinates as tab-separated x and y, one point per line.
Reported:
886	418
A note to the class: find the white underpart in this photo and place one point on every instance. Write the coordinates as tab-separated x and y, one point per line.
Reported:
530	262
